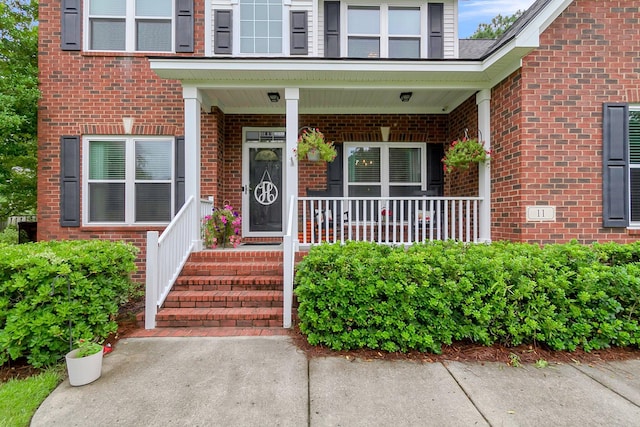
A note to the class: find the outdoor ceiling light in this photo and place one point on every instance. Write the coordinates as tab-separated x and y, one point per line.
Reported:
274	96
406	96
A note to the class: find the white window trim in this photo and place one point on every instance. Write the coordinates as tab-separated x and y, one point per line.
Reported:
130	179
384	24
632	224
130	29
384	163
286	32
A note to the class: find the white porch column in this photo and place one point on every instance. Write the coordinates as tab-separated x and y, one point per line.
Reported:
192	105
483	100
291	96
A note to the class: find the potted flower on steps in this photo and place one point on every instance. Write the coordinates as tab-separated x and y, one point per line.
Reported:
312	145
84	364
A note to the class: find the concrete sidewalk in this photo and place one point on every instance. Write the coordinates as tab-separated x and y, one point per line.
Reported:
267	381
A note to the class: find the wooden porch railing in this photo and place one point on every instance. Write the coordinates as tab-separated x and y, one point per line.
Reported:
388	220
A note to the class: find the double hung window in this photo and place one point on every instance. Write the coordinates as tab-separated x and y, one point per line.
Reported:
634	164
261	26
383	32
128	180
385	170
130	25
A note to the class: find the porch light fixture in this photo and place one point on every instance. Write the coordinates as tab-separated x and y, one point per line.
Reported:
274	96
405	96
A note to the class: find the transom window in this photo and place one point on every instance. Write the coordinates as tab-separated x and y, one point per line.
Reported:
261	26
634	164
130	25
128	180
383	32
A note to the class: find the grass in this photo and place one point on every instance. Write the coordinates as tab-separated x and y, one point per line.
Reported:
19	399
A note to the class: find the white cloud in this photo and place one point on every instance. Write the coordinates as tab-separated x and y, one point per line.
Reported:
470	9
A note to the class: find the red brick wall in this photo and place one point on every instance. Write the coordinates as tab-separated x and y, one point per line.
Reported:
90	93
551	155
465	117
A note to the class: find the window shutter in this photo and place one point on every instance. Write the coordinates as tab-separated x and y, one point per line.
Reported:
184	26
435	173
299	40
332	29
70	181
436	30
222	29
70	24
334	174
615	192
180	173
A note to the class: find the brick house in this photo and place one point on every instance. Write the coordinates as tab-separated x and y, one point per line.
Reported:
148	107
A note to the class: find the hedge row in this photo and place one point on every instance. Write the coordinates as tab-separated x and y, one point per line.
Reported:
363	295
46	285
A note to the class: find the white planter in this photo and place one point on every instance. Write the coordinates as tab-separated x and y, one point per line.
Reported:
83	370
313	155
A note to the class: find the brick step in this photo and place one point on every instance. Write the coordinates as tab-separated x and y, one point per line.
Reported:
221	299
228	283
200	331
235	256
220	317
234	268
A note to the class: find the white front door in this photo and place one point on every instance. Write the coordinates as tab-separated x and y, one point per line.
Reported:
263	182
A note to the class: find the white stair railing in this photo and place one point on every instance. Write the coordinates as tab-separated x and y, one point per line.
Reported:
166	255
289	255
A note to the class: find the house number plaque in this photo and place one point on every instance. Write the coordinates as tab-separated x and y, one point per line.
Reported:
541	213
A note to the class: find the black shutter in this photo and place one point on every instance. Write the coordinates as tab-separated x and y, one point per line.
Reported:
615	191
184	26
436	30
334	174
299	40
70	24
332	29
222	31
180	172
70	181
435	172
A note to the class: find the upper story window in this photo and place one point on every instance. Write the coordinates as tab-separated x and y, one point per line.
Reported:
261	26
383	32
130	25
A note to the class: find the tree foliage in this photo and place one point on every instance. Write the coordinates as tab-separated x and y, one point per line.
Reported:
499	24
18	106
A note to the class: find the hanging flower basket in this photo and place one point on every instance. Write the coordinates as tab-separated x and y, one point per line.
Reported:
221	228
312	145
464	152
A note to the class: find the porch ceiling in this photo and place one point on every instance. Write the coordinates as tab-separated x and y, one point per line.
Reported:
347	86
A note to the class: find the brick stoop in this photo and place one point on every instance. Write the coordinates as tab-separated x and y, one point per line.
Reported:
225	292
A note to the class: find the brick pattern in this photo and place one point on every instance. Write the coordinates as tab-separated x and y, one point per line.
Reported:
547	123
226	289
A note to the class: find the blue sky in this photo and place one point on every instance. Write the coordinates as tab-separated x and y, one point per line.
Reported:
475	12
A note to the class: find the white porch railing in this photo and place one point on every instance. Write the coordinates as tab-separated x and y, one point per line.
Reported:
388	220
167	254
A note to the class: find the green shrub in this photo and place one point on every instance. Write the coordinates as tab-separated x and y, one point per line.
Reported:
46	285
364	295
9	235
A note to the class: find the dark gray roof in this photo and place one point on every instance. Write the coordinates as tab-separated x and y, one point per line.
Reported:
474	48
474	52
522	22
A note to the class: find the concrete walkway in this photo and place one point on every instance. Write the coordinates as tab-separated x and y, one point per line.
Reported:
267	381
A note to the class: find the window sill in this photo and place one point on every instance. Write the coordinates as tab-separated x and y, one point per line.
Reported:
121	227
100	53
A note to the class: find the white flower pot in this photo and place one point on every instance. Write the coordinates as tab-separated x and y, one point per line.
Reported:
83	370
313	155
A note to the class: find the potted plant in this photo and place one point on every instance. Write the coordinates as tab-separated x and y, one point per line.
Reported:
84	364
223	226
464	152
311	144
